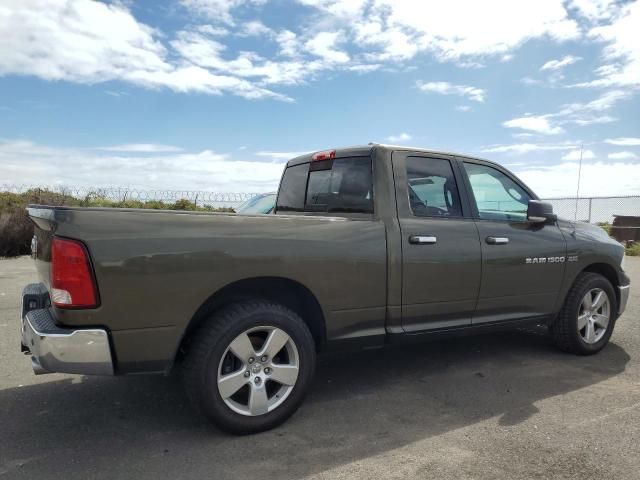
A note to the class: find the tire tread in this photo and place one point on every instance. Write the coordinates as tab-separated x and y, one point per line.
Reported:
207	335
562	328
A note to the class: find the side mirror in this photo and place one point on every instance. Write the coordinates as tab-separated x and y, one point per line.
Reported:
539	212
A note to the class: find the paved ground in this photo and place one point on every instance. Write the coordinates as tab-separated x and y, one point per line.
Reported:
505	406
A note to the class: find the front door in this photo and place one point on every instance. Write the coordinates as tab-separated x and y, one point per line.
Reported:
441	257
522	262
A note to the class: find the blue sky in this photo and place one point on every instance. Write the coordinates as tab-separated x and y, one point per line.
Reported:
218	94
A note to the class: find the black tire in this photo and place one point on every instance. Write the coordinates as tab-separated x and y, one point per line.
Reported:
210	342
564	330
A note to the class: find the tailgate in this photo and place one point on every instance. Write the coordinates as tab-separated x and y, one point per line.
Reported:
44	228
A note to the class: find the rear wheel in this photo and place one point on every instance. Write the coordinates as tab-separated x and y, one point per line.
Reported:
249	366
586	321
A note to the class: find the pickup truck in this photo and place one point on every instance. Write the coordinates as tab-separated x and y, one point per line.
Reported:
367	246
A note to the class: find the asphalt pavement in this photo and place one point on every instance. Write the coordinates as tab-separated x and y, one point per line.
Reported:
499	406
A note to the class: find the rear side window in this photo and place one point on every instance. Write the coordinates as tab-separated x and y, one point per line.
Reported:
292	186
342	185
432	188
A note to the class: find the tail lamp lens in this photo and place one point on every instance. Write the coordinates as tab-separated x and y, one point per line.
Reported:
72	282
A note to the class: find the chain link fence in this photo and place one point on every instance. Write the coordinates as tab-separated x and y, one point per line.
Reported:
586	209
127	194
595	209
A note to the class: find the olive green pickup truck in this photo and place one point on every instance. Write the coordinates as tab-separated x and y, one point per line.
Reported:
368	246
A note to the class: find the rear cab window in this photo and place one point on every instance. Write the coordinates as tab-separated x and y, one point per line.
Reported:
339	185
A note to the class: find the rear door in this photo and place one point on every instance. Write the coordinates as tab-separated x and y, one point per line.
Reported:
522	262
346	257
441	257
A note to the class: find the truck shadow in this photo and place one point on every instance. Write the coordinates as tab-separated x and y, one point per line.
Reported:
361	405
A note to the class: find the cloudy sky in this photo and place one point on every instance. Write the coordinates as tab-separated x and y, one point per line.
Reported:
218	94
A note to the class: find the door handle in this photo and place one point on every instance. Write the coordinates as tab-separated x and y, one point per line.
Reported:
497	240
422	239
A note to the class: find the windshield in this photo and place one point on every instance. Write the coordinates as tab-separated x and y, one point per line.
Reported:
259	204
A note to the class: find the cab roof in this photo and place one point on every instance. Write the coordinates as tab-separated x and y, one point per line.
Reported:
365	150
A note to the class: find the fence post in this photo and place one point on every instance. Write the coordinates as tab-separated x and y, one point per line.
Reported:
590	202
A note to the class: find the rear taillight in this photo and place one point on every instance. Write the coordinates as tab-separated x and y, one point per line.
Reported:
72	282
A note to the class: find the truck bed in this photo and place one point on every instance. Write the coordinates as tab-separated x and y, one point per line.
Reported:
155	269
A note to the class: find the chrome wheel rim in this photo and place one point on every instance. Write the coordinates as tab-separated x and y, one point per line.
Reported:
594	315
258	371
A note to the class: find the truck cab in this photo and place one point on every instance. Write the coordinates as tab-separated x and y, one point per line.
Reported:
469	244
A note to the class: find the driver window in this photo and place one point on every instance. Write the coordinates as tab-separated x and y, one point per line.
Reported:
432	188
497	196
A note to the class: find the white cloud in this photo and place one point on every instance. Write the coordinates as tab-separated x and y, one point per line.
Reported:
219	10
594	9
346	9
538	124
523	148
623	141
624	155
582	114
255	28
595	120
561	63
364	68
403	137
24	162
324	45
439	27
141	148
90	42
280	156
115	93
446	88
575	155
604	102
76	40
288	42
400	29
622	50
596	179
523	135
463	108
531	81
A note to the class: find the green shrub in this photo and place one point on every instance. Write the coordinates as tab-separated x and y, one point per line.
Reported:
633	250
606	226
183	204
16	229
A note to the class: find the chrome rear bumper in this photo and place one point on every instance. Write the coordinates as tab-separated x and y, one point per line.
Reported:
64	350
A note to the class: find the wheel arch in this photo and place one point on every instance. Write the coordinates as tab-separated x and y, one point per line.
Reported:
608	272
284	291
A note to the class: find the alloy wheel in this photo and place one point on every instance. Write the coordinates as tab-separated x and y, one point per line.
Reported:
258	371
594	315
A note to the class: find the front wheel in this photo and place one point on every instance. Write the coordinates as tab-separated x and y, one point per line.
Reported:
585	322
249	366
